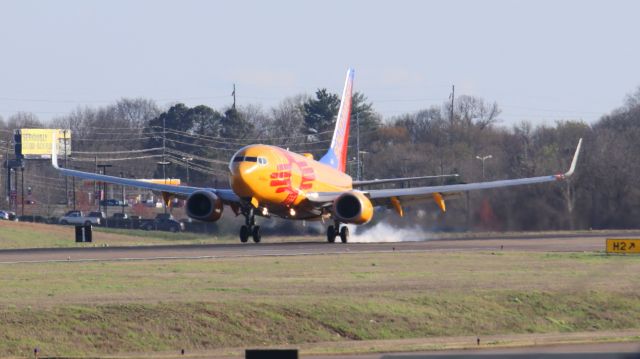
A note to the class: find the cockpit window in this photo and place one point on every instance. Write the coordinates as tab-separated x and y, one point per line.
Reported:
245	159
262	160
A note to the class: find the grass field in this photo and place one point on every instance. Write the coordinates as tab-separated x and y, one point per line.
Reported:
36	235
205	305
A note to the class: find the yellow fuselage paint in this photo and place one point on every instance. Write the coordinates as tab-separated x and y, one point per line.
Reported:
280	180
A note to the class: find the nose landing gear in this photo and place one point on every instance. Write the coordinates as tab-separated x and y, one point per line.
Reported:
335	231
250	229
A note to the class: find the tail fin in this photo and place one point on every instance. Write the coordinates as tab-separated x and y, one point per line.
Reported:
336	156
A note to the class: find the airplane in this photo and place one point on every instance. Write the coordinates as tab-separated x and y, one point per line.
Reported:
271	181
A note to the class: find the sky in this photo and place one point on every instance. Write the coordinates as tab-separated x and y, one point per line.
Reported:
541	61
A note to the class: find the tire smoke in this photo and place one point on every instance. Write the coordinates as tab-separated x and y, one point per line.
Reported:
383	232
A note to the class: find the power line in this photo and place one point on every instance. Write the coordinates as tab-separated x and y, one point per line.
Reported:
113	139
118	152
86	159
199	158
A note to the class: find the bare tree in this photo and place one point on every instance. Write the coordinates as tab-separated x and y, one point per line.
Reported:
24	120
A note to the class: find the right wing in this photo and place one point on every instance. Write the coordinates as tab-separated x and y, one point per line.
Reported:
227	195
402	179
400	196
416	194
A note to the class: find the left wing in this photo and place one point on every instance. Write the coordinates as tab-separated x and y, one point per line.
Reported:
389	197
227	195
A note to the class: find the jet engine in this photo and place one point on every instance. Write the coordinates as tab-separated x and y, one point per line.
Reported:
353	207
204	206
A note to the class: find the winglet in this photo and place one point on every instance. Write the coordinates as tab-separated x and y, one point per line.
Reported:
572	169
575	160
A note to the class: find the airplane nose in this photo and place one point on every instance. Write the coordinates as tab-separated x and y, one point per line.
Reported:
242	179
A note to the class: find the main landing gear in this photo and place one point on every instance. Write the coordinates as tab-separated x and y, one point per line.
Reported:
250	229
335	231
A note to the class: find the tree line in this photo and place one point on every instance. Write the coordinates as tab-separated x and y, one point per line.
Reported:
135	134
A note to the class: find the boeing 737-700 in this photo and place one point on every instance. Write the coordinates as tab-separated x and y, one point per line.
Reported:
271	181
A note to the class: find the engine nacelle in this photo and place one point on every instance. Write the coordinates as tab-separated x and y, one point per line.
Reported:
204	206
353	207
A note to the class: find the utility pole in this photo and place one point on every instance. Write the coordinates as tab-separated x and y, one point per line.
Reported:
234	96
66	180
362	153
22	187
95	184
358	171
187	159
123	196
73	184
164	146
104	190
6	161
15	181
164	163
453	96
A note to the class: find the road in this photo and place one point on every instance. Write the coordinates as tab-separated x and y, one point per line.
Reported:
540	243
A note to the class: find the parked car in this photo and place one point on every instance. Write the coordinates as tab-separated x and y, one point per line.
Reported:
163	222
4	215
78	218
32	218
120	216
99	215
113	203
13	216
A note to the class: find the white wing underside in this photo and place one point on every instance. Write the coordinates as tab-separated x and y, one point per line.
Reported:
380	197
227	195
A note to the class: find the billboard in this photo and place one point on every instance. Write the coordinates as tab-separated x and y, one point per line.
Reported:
36	142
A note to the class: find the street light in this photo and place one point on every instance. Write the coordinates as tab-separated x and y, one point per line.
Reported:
164	171
360	169
187	159
164	175
483	158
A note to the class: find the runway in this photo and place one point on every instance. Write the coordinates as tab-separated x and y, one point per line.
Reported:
540	243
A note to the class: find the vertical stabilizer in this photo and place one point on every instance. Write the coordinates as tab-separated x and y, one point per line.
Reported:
336	156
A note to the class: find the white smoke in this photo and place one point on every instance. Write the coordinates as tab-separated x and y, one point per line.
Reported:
383	232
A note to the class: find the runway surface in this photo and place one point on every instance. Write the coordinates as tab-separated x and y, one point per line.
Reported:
541	243
627	350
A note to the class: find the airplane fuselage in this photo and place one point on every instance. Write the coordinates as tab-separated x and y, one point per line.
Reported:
280	180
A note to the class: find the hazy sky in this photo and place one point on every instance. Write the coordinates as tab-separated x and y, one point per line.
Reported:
540	60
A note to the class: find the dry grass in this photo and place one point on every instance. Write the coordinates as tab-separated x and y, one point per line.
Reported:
157	306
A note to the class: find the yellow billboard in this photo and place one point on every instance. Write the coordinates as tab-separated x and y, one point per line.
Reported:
623	245
36	142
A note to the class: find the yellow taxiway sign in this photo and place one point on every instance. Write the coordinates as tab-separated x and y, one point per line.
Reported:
623	245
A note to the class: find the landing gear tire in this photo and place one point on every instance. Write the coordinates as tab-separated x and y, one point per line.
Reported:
244	234
256	234
331	234
344	234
